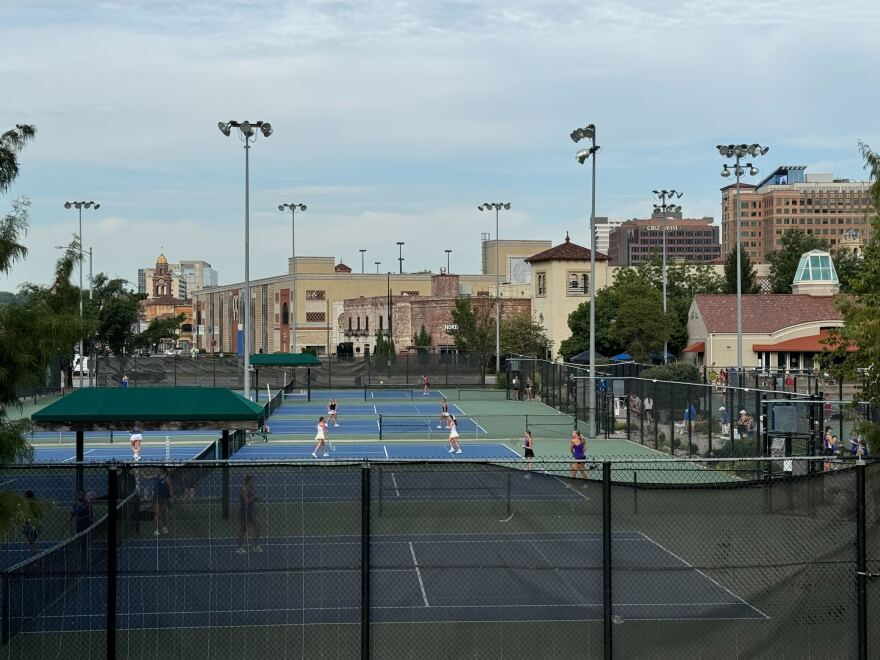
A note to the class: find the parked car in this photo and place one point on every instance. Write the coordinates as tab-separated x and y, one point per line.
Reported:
144	352
172	351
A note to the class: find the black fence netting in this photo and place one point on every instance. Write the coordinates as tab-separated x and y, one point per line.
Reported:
623	558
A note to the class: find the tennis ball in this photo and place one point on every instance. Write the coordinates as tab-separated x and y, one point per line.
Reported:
381	382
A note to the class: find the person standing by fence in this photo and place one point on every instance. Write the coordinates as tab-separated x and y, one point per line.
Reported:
528	453
247	516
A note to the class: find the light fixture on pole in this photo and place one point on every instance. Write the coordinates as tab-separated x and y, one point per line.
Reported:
496	206
739	151
362	251
448	252
292	207
665	280
664	209
247	133
79	206
589	132
378	263
400	245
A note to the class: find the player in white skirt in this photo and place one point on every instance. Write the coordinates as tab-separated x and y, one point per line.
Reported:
454	445
321	438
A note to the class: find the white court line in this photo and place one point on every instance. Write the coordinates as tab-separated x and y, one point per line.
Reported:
375	410
73	458
386	450
418	574
10	481
396	489
713	581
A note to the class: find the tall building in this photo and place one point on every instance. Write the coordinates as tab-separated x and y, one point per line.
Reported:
604	227
197	274
790	198
691	240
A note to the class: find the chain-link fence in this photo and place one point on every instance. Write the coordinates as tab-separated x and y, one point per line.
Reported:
626	558
446	369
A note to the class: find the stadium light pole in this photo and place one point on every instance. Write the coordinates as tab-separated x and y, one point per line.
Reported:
496	206
247	133
362	251
663	208
448	252
292	207
589	132
739	151
378	263
661	211
79	206
400	245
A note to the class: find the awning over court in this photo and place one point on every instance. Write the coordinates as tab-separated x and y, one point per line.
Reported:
285	360
150	408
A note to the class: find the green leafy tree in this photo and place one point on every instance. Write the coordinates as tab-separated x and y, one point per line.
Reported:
522	335
11	144
640	323
475	331
848	267
784	261
861	315
749	275
422	338
160	329
116	309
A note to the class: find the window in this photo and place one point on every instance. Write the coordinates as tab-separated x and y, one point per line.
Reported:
285	314
315	295
578	283
315	317
381	322
542	284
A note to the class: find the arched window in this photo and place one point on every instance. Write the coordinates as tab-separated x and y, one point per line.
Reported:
285	314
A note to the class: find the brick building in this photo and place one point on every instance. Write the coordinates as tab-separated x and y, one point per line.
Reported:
363	317
790	198
690	240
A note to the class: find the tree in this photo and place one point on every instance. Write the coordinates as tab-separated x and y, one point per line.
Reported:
640	323
784	261
749	275
475	332
116	310
861	315
848	267
384	345
522	335
160	329
631	288
423	338
11	144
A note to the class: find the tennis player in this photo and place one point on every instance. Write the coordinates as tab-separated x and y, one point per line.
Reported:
163	491
321	438
247	516
426	384
454	445
444	415
331	412
528	452
136	439
578	455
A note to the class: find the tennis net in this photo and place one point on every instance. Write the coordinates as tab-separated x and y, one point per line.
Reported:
35	586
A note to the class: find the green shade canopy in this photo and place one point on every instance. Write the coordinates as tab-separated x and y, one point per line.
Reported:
150	408
285	360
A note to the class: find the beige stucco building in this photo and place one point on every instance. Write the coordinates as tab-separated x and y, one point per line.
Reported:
560	283
782	331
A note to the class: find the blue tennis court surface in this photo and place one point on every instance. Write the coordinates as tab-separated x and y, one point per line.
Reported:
358	426
121	452
358	451
316	409
386	394
301	580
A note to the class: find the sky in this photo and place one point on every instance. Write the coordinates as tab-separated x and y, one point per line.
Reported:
394	120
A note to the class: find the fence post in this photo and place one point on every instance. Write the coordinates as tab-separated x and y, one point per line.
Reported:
365	561
112	536
607	601
672	419
174	359
224	455
380	427
861	561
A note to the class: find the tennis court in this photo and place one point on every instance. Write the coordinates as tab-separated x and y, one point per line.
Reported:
448	559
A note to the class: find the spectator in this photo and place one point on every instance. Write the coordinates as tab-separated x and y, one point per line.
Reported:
30	528
690	416
789	381
857	446
124	382
724	418
745	425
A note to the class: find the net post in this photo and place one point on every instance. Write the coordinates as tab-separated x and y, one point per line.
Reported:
861	561
224	455
365	561
380	426
606	561
365	391
112	538
80	478
309	384
635	492
508	471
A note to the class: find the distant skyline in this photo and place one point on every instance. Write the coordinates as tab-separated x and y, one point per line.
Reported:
393	121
